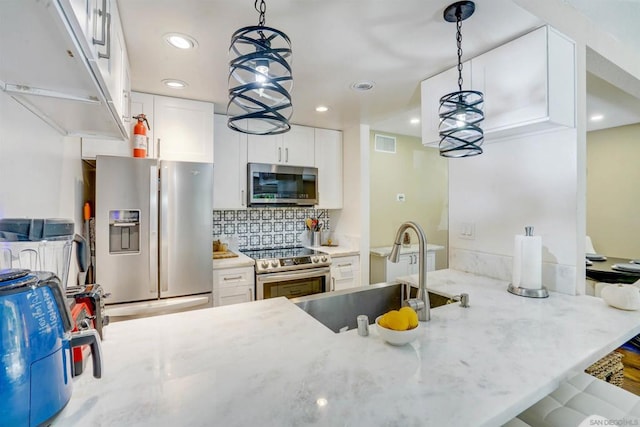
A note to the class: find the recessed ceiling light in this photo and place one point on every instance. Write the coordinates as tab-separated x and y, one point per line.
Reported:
174	83
597	117
181	41
322	108
414	121
363	85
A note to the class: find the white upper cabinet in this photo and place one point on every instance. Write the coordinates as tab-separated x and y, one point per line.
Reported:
528	82
328	160
293	148
80	91
230	170
183	129
139	103
528	85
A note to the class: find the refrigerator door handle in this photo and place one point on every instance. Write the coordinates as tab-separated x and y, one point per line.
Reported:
164	227
153	229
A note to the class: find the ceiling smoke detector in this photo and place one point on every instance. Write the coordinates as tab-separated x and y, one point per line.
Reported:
363	86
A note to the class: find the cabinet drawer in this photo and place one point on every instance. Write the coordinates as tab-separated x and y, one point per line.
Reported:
352	262
240	292
234	295
232	277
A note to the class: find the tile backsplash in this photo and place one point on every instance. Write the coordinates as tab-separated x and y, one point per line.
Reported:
261	228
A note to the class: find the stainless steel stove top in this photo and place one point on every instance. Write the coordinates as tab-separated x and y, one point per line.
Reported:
286	259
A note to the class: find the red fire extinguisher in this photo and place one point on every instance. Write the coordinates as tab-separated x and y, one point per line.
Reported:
140	136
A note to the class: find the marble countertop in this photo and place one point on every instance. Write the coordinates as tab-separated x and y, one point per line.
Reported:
240	261
269	363
386	250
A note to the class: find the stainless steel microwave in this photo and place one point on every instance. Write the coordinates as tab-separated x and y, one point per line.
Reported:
279	185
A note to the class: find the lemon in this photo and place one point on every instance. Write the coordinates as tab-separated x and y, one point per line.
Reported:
412	316
383	321
396	321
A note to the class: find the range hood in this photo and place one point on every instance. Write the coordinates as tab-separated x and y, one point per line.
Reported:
44	68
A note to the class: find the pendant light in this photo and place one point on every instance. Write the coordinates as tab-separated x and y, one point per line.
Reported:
460	112
260	79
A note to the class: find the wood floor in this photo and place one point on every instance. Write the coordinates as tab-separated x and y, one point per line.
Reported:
631	362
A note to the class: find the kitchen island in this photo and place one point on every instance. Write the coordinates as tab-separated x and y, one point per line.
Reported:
269	363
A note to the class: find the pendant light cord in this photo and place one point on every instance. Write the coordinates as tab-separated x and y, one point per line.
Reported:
459	40
262	9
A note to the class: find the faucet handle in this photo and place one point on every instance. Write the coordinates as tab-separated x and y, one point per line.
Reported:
463	298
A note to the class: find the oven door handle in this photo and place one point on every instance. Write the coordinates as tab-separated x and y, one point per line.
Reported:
292	275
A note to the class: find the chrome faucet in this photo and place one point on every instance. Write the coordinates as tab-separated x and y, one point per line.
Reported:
420	304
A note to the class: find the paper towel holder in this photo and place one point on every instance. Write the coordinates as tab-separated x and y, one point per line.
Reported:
527	292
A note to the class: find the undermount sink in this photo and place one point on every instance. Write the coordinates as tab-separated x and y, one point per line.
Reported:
338	310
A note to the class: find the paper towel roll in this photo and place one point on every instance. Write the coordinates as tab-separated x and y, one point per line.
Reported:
527	262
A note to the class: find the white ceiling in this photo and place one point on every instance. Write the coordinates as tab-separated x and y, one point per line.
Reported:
396	44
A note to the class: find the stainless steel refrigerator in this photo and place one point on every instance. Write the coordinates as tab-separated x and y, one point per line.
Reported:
153	233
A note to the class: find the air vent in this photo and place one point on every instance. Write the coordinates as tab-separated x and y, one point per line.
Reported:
385	144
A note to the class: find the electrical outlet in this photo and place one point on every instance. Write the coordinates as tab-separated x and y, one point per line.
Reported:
400	197
468	230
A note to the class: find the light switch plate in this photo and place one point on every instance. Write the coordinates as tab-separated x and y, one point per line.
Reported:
467	230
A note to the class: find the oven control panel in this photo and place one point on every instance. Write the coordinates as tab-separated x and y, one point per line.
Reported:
292	263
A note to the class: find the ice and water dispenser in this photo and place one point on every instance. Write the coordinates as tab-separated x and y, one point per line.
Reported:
124	231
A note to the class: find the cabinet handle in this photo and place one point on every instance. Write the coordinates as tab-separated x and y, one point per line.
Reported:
102	13
286	155
344	265
158	148
232	278
242	201
333	283
250	294
279	154
108	54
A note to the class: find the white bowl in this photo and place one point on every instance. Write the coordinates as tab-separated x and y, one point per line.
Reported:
397	337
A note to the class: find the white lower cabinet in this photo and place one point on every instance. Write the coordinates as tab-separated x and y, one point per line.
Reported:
345	272
233	286
383	270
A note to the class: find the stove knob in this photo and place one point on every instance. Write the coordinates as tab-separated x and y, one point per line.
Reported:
265	264
274	263
324	259
314	259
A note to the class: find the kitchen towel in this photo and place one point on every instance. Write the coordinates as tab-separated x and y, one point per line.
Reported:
527	262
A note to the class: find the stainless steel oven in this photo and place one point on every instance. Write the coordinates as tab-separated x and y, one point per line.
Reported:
293	284
290	272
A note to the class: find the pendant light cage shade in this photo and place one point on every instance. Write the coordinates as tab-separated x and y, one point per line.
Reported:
460	112
460	117
260	81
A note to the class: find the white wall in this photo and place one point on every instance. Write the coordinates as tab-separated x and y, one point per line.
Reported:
40	170
528	180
